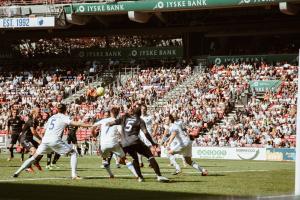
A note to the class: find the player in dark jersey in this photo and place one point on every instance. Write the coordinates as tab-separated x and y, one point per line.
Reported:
26	137
14	127
72	138
131	124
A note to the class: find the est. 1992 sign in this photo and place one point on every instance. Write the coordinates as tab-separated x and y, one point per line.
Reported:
28	22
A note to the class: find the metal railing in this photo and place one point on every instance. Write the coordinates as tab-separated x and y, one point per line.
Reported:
46	2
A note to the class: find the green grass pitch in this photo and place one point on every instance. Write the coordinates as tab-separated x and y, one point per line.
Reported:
227	178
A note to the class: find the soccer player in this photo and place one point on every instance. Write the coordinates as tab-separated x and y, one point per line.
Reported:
151	127
72	139
14	127
52	140
26	137
109	142
180	143
131	125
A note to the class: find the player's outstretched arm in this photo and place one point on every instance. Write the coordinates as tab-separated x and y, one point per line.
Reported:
115	122
94	128
81	124
164	138
155	128
171	139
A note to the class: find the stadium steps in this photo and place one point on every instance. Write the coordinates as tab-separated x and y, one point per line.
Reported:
231	116
96	82
175	92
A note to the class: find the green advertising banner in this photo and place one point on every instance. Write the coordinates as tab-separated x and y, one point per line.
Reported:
263	86
218	60
164	5
131	53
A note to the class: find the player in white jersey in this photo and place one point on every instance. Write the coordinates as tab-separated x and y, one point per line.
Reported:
180	143
172	158
52	140
109	142
181	124
151	128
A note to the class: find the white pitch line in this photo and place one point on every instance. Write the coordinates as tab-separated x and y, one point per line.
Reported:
32	179
236	171
122	175
277	197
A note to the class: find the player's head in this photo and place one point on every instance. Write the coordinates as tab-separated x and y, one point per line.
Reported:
62	108
35	113
106	114
169	119
137	111
14	113
114	112
144	109
176	116
129	109
45	116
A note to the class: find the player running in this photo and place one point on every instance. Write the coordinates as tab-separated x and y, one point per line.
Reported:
180	143
14	127
109	142
131	125
52	140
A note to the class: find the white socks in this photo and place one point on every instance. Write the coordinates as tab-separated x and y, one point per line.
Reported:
196	166
175	164
25	165
73	163
131	168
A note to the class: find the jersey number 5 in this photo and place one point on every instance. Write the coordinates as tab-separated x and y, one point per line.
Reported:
128	126
52	124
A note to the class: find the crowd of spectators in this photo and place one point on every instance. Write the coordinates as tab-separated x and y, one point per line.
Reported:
64	46
266	121
37	86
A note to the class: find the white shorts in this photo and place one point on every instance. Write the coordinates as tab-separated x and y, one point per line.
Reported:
185	151
117	150
59	147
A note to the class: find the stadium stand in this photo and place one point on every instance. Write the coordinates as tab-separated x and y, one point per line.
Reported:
265	121
64	46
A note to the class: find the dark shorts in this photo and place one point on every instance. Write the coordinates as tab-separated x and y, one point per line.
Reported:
14	138
140	148
28	144
72	139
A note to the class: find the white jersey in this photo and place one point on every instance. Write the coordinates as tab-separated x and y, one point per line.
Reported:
148	119
181	138
55	126
109	135
148	122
